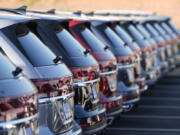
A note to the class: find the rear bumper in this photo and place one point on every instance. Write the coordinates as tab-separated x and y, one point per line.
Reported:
114	110
142	84
172	64
95	128
177	57
151	77
76	130
164	68
23	126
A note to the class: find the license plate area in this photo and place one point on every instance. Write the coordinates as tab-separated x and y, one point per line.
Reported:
94	93
112	80
130	74
67	110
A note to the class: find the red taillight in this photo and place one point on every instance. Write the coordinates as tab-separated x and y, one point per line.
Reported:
90	121
111	105
13	108
53	87
129	97
125	60
108	65
89	73
161	44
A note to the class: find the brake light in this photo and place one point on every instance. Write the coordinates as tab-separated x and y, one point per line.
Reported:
106	66
111	105
53	87
125	60
85	73
13	108
128	97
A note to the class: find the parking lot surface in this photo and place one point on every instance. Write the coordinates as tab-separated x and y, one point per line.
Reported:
158	112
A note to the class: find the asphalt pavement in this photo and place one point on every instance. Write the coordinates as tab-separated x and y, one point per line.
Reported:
158	112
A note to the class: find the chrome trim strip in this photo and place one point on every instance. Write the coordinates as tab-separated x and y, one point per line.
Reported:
86	82
4	124
125	66
46	100
131	101
108	73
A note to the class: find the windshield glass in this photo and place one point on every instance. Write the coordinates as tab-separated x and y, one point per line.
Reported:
151	30
35	50
71	45
93	43
143	31
6	68
116	41
123	34
135	33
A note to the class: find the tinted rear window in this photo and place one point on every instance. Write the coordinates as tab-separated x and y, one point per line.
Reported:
36	51
116	41
123	34
135	33
151	30
158	28
71	45
166	27
174	27
143	31
92	42
6	68
33	48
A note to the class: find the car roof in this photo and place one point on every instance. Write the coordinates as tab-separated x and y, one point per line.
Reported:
8	19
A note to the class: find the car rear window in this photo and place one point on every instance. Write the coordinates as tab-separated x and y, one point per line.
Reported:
33	48
71	45
123	34
116	41
159	29
166	27
135	33
151	29
6	68
143	31
174	27
93	43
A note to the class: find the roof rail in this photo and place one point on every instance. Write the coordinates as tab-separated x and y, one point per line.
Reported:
51	11
14	11
22	8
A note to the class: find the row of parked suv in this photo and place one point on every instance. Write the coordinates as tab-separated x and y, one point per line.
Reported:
74	73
